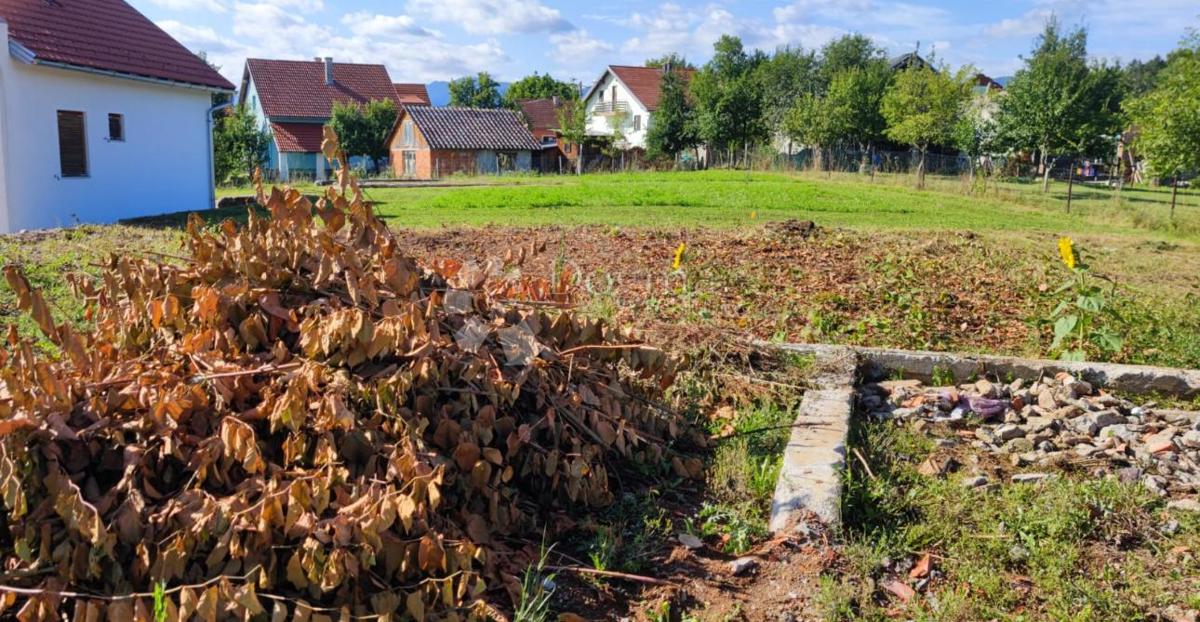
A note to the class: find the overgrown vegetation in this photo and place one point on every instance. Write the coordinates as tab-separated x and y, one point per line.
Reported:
1071	548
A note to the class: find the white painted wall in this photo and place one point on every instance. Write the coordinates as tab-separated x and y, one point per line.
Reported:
598	125
3	133
162	166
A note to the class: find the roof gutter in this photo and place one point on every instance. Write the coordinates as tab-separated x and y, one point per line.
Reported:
128	76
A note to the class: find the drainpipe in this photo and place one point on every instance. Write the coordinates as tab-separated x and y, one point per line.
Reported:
212	164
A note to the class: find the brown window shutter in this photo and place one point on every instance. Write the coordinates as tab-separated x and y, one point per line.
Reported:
72	145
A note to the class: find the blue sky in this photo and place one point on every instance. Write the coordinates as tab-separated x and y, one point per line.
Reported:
428	40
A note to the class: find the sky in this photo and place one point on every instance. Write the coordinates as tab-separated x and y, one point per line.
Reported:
431	40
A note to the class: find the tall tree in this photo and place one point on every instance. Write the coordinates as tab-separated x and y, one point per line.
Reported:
1168	118
790	73
852	51
673	129
673	59
728	98
1056	104
1140	76
538	86
363	130
239	145
480	91
923	107
572	128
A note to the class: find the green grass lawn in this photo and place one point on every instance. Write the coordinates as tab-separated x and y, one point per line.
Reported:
738	198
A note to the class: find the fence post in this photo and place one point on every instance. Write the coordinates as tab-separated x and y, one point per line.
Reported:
1070	185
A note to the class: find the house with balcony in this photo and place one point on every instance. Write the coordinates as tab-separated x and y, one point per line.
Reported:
622	102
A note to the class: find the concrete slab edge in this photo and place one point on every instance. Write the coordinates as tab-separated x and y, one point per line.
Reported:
810	479
882	363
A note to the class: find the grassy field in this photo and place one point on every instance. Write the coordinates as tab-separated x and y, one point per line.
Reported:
738	198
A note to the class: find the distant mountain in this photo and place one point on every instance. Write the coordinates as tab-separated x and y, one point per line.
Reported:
1004	80
439	92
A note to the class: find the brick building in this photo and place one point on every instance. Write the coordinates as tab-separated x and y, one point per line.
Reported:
431	143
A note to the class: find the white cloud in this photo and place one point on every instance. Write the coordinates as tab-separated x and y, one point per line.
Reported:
493	17
215	6
1024	26
579	44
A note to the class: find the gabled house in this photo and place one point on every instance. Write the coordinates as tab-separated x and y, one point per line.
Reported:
431	143
623	100
907	60
541	116
103	116
411	95
294	100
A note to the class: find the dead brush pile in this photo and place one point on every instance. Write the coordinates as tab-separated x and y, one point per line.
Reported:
302	422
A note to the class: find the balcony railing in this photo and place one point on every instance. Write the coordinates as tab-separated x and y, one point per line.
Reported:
610	108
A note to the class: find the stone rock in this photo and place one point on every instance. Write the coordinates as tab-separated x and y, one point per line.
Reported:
1079	388
1038	424
1019	445
1009	431
1031	478
1129	475
690	541
978	481
987	389
1046	400
1191	439
742	565
1184	505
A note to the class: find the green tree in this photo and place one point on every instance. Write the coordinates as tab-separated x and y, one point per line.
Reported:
673	129
728	98
1140	76
847	113
923	107
675	60
363	130
480	91
572	128
1057	104
852	51
538	86
1168	118
240	145
790	73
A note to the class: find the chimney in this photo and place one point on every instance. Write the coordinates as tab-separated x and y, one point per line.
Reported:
329	70
666	68
555	100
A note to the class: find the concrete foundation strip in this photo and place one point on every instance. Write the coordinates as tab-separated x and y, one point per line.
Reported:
810	479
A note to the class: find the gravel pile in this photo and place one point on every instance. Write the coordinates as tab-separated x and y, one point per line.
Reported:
1055	422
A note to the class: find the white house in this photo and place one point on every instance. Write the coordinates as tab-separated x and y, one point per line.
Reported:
103	116
625	98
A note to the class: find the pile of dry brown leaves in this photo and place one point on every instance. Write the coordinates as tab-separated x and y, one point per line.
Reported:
301	421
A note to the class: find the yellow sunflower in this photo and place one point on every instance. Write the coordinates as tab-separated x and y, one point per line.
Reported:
1066	249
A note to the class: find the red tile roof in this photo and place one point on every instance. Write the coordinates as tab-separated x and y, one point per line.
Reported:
470	128
542	115
645	82
108	35
296	88
411	94
298	137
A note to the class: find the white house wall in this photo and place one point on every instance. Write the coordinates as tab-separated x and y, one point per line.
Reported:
3	133
162	166
598	125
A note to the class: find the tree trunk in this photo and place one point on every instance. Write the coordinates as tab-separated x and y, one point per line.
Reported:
579	161
1045	166
1174	191
1070	185
921	171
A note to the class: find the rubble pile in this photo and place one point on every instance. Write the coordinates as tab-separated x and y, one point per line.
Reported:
1054	422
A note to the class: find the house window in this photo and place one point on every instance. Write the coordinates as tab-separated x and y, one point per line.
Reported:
407	134
506	161
614	94
116	127
72	144
637	122
602	97
410	163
